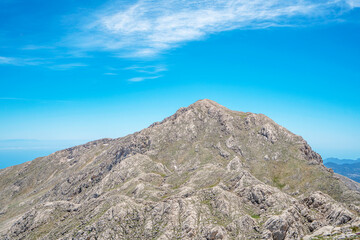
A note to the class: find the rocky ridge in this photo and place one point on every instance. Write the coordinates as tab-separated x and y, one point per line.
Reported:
205	172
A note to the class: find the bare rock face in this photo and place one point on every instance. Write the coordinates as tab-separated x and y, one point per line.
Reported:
205	172
333	211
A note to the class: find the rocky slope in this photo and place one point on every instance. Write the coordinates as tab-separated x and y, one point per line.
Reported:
205	172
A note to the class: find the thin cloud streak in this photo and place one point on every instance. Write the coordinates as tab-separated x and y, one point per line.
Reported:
148	69
140	79
37	47
354	3
49	63
6	60
20	61
148	27
68	66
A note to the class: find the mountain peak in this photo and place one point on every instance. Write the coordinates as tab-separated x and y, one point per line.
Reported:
205	102
208	104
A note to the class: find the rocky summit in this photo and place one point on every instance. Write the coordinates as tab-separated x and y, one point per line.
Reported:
205	172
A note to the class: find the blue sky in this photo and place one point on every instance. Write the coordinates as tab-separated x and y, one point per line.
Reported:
83	70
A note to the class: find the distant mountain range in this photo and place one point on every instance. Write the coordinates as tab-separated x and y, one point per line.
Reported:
347	167
341	161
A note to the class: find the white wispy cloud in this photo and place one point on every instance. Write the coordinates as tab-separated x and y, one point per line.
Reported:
20	61
148	27
354	3
152	69
37	47
6	60
140	79
48	63
67	66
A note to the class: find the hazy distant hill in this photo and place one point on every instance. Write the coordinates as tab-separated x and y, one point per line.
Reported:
346	167
205	172
340	161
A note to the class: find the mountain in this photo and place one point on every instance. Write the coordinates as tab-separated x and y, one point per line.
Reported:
205	172
340	161
347	167
351	171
